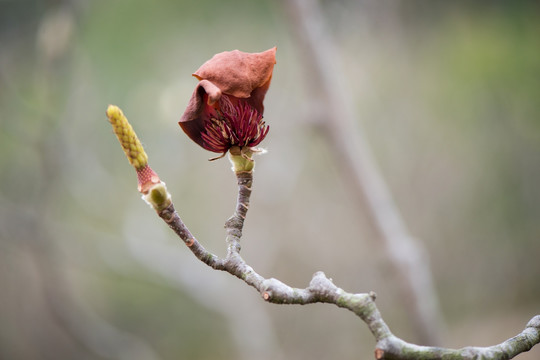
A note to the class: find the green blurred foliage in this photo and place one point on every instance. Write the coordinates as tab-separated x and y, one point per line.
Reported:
447	93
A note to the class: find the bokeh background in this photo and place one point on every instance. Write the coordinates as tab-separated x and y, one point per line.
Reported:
447	94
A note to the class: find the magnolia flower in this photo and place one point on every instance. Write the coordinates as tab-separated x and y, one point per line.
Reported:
226	108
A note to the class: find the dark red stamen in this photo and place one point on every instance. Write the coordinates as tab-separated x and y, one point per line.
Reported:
236	125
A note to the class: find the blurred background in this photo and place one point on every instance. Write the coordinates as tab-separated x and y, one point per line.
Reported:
447	94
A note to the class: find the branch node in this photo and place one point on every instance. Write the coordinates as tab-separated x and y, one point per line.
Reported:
534	322
277	292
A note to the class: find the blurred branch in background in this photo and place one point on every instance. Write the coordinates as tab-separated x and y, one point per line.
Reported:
354	156
55	322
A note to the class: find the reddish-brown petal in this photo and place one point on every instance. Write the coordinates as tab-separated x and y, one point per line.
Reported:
238	73
199	110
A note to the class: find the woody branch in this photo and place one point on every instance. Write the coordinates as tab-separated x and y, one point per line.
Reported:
321	289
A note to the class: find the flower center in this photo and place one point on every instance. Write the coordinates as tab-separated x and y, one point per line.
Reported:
234	125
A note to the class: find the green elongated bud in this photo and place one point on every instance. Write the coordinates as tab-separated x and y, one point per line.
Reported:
146	177
128	139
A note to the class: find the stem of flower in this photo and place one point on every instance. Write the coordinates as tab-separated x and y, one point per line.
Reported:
235	223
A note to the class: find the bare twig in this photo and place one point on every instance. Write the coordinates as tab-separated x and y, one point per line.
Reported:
320	290
353	154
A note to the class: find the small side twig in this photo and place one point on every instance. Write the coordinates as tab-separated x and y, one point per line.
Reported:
235	224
